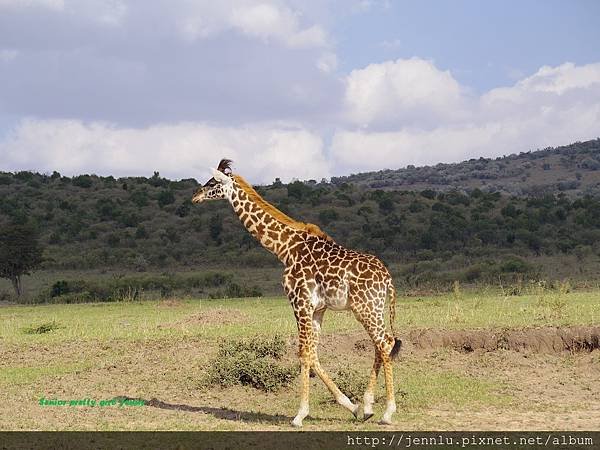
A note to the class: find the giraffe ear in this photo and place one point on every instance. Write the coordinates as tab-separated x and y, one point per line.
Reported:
221	177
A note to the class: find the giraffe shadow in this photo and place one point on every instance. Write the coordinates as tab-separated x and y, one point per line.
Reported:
219	413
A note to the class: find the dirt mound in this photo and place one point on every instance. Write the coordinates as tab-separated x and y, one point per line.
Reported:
538	340
216	316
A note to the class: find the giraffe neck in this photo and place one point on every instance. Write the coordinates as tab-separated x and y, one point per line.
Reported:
276	236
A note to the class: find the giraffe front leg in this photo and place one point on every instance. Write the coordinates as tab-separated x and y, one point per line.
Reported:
304	390
339	396
305	336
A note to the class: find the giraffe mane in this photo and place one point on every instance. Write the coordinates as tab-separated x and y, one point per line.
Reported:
310	228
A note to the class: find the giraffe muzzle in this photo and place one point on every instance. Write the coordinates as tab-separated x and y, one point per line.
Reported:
198	197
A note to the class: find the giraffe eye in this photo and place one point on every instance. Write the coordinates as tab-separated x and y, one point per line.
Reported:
211	183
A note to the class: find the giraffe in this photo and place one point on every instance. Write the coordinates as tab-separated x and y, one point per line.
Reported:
319	274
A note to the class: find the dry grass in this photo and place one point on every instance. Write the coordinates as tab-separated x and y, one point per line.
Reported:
134	350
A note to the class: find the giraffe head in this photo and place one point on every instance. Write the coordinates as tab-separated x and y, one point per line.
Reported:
216	188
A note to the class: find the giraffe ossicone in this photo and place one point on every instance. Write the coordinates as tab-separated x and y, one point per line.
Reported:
319	275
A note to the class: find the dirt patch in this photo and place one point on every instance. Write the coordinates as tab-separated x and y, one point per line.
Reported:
169	303
537	340
363	345
216	316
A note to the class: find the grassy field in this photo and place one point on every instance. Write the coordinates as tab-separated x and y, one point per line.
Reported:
163	351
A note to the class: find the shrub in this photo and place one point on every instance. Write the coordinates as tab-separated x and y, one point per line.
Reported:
43	328
61	287
74	297
234	290
428	193
515	265
255	362
273	347
352	383
131	288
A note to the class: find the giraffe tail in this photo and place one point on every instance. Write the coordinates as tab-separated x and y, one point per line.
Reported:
392	306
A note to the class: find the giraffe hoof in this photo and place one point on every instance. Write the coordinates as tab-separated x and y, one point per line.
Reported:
356	411
385	421
368	416
296	423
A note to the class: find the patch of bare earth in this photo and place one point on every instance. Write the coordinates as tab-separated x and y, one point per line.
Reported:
214	316
546	386
551	391
169	303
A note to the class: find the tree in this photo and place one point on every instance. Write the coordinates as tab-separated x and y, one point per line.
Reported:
166	198
20	253
298	190
215	227
327	216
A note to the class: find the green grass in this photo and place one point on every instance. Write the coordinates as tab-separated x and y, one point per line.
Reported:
165	350
11	376
143	320
421	388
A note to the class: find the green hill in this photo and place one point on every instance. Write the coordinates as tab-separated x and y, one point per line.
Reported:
573	169
468	226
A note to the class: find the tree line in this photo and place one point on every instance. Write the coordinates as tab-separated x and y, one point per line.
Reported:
138	224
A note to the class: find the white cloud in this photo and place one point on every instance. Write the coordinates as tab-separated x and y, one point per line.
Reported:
109	12
106	12
391	44
365	6
263	19
405	91
555	106
327	62
313	36
551	80
261	152
137	63
7	55
32	4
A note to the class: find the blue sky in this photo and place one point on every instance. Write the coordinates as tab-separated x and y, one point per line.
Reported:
485	44
290	88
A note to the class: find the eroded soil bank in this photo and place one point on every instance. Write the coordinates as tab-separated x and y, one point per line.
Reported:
536	340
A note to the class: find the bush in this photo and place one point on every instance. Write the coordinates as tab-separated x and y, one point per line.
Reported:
61	287
234	290
132	287
43	328
274	347
515	265
352	383
254	362
74	297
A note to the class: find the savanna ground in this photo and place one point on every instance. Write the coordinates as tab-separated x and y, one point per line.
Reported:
476	360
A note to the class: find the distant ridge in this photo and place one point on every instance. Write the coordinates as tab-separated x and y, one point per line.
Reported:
573	169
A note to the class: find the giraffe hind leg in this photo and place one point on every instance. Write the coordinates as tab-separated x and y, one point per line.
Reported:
390	407
385	347
369	396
